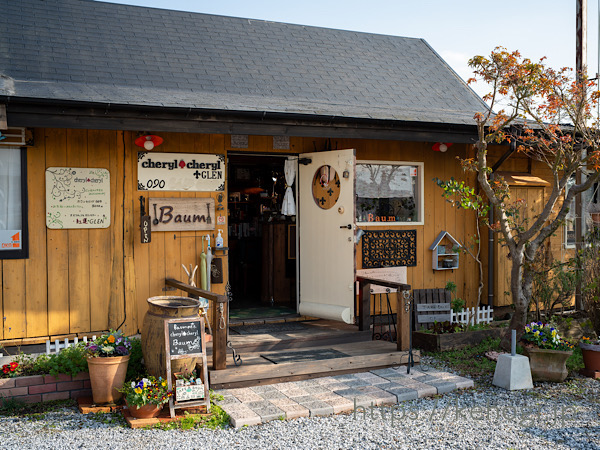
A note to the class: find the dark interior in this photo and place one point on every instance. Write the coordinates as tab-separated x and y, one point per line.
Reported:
262	265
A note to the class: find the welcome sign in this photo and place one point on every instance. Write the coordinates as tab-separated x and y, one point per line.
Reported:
198	172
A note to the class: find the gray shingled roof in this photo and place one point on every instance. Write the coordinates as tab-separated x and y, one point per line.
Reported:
87	51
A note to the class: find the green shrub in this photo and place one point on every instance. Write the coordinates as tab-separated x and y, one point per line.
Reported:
135	369
70	361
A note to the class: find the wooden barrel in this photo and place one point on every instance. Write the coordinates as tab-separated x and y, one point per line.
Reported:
153	332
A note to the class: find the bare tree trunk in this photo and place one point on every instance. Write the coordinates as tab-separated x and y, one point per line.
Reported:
519	317
521	286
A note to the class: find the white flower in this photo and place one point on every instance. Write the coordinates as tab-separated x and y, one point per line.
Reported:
132	384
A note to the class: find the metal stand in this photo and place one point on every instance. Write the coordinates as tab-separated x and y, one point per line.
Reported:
408	307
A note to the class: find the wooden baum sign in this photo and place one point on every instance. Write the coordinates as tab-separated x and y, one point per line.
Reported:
182	214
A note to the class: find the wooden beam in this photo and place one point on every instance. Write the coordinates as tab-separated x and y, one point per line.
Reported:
403	325
196	291
364	307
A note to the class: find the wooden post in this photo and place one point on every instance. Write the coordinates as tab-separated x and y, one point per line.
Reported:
403	323
219	328
364	306
219	322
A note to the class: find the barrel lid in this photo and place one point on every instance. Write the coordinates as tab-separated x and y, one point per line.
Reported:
173	301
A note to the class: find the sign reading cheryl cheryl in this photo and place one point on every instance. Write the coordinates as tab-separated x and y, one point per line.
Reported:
181	172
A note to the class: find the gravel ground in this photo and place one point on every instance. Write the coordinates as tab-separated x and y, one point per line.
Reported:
565	416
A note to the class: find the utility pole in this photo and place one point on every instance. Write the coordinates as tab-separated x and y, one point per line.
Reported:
581	68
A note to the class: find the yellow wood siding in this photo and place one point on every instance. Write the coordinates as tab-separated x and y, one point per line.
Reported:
78	281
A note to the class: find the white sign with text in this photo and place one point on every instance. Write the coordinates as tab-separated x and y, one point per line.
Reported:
77	197
197	172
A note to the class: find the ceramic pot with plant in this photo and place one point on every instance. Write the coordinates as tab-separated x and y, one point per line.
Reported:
145	398
547	352
188	386
590	350
107	358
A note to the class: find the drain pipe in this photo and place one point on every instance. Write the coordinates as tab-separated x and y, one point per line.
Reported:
491	254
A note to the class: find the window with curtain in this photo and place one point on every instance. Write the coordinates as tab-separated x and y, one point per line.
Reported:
13	226
389	192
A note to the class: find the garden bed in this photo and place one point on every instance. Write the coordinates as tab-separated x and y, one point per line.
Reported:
434	342
45	388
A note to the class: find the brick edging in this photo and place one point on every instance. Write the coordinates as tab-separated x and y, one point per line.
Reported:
44	388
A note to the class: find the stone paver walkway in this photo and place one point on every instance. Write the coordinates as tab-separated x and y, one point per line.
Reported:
335	394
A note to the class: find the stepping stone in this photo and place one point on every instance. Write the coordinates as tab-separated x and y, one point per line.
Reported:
442	386
318	408
269	395
291	410
247	395
228	400
263	389
240	415
404	393
340	404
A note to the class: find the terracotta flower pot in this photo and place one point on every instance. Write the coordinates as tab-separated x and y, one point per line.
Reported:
548	365
591	357
106	376
144	412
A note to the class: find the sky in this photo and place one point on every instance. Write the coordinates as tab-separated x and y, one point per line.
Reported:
456	29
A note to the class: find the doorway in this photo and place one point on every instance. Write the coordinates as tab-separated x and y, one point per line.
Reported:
262	241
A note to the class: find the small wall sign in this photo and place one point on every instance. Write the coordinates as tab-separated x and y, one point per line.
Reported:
197	172
182	214
77	197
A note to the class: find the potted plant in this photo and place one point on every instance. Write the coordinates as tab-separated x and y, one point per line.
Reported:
590	350
145	398
188	386
589	263
547	352
107	358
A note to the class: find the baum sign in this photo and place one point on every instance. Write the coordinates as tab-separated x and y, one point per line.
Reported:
181	172
182	214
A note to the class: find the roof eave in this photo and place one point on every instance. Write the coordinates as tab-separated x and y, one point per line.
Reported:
42	113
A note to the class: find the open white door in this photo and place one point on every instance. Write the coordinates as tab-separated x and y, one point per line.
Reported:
326	234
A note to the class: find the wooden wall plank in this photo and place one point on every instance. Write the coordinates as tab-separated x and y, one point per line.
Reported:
116	307
13	292
79	257
130	325
57	246
99	238
36	273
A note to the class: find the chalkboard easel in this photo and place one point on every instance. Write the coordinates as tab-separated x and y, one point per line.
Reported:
184	338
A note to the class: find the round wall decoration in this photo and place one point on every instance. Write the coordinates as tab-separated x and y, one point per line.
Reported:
326	187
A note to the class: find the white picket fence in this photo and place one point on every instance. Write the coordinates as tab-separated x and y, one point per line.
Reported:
57	346
472	316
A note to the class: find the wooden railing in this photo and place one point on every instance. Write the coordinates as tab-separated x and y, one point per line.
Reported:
364	308
219	320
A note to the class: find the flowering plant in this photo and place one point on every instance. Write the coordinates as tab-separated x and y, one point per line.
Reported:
10	370
586	341
147	390
544	336
111	344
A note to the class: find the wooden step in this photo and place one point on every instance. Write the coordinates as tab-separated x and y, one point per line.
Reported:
362	357
316	333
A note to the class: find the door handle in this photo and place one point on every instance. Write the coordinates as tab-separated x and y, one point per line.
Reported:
349	226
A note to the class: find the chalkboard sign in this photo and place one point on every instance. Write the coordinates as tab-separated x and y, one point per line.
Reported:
185	338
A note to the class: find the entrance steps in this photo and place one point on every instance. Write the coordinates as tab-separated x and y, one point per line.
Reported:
316	349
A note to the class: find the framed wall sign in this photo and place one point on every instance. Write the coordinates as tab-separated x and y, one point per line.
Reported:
182	214
197	172
77	197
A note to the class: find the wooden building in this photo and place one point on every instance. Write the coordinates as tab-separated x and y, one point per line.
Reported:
83	80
